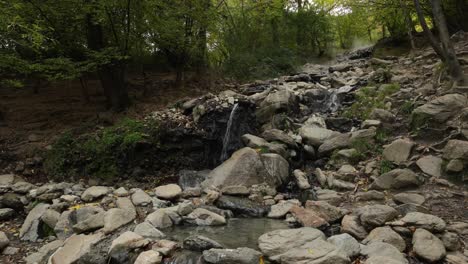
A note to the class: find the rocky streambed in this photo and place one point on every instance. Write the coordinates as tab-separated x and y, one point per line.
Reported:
345	163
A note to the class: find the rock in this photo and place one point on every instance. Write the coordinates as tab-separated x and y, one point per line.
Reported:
165	247
398	151
383	259
31	227
430	165
387	235
22	187
126	242
159	219
91	223
409	198
168	192
450	241
279	136
274	243
149	257
301	180
4	241
455	166
244	168
317	251
370	195
308	217
200	243
191	179
396	179
75	248
121	192
376	215
277	168
63	228
94	192
50	218
351	225
460	228
440	109
185	208
334	143
255	142
115	218
241	206
404	209
232	256
456	149
6	213
141	198
43	254
147	230
276	102
427	246
329	196
382	115
421	220
10	251
12	200
236	190
383	251
346	244
203	217
280	209
325	210
371	123
316	136
9	179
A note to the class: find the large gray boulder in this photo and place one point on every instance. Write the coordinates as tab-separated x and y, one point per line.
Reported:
94	192
4	241
456	149
76	247
398	151
387	235
241	255
276	135
203	217
397	179
279	101
427	246
44	252
352	225
317	251
421	220
440	109
316	136
30	230
376	215
431	165
277	168
383	251
346	244
200	243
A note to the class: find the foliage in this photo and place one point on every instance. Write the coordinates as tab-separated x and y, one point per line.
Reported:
386	166
369	98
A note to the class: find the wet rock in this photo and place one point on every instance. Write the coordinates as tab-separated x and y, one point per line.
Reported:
325	210
396	179
241	206
4	241
255	142
376	215
31	227
149	257
123	244
421	220
279	136
440	109
147	230
427	246
235	190
398	151
141	198
430	165
387	235
165	247
370	196
200	243
277	168
308	217
383	251
451	241
94	192
44	252
203	217
185	208
409	198
76	247
6	214
168	192
301	179
346	244
273	244
232	256
276	102
352	225
280	209
316	136
159	219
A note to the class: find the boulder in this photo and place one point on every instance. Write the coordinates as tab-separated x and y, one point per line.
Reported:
75	248
398	151
255	142
334	143
141	198
325	210
43	254
427	246
6	214
451	241
232	256
316	251
277	168
149	257
91	223
94	192
280	209
116	218
456	149
276	102
200	243
50	218
30	230
431	165
383	251
277	135
203	217
123	244
316	136
440	109
63	229
241	206
12	200
346	244
308	217
370	196
168	192
301	180
382	115
352	225
421	220
121	192
147	230
387	235
409	198
4	241
376	215
235	190
396	179
159	219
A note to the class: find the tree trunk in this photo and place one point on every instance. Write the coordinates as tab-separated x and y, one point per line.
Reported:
409	23
432	40
454	69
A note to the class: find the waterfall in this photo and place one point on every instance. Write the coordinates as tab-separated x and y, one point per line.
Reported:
227	135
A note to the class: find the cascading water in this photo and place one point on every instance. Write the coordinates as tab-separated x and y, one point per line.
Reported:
227	134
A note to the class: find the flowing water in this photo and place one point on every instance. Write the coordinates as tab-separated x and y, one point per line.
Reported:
227	135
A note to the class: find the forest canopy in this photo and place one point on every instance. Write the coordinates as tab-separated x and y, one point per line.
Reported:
244	39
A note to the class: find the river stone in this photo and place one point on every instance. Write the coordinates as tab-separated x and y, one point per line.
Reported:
316	136
75	248
243	168
455	166
141	198
430	165
241	206
318	251
121	192
421	220
31	227
441	108
279	136
63	228
200	243
427	246
147	230
370	195
50	217
382	115
346	244
398	151
383	250
44	252
6	213
387	235
203	217
9	179
115	218
255	142
456	149
383	259
404	209
409	198
126	242
4	241
301	179
307	217
451	241
236	190
241	255
277	242
94	192
149	257
280	209
396	179
168	192
330	196
159	219
277	168
278	101
334	143
376	215
22	187
12	200
351	225
325	210
91	223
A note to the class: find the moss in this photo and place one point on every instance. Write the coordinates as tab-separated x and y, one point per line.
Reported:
386	166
